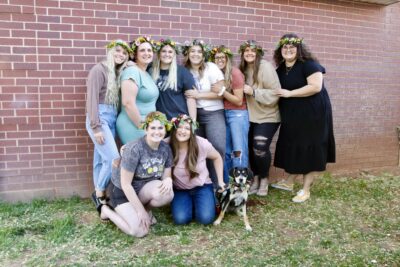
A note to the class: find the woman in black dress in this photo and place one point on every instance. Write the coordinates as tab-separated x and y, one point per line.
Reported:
306	142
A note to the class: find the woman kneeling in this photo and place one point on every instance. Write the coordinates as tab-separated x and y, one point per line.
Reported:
143	180
193	188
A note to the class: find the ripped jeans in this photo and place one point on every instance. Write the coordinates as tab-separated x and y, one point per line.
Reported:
260	138
237	149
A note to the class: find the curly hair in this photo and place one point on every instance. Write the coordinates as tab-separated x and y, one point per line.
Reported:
303	53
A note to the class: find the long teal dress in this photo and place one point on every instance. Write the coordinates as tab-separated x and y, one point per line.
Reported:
145	101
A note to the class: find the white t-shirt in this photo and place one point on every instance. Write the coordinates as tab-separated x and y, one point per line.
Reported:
211	75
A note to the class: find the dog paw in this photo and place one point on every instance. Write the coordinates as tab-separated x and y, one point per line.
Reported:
248	228
217	222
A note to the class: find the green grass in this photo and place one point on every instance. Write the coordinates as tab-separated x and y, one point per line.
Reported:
347	222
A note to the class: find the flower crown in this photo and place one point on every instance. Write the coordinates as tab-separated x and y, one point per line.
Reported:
156	116
252	44
163	42
291	40
176	121
187	45
121	43
140	40
220	49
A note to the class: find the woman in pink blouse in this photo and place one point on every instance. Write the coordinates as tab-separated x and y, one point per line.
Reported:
193	188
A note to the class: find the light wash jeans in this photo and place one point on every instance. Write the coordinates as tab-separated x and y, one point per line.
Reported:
104	154
237	135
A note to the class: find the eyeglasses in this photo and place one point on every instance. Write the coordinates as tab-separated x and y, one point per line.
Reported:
220	58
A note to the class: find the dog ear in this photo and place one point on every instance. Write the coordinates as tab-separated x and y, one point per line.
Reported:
231	172
250	174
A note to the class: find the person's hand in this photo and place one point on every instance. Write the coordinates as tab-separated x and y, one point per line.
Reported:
216	88
116	163
122	149
99	137
144	219
283	93
247	89
222	187
166	186
193	93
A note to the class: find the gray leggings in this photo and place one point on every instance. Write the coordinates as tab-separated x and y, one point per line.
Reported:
212	127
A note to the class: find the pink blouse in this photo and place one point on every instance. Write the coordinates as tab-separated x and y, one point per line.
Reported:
182	178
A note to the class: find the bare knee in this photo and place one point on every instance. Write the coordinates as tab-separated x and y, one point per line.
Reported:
160	200
137	232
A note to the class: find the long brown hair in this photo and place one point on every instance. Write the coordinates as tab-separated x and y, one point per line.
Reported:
192	153
244	65
188	64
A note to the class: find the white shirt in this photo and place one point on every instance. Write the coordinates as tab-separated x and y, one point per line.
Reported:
211	75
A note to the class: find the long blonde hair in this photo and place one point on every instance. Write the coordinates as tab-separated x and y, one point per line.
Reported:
113	77
228	73
172	81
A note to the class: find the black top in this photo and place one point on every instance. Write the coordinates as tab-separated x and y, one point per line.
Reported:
171	102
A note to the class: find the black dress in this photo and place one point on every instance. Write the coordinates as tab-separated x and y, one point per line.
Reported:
306	142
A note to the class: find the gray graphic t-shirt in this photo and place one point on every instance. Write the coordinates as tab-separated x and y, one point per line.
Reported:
145	162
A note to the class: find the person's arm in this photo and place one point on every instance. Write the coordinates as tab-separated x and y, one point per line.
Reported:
166	182
235	96
95	82
126	185
314	86
214	155
196	94
129	91
266	92
192	107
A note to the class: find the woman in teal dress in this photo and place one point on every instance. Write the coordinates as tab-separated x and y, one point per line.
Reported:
139	92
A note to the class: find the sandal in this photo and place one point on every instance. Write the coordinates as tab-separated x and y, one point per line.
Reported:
263	190
99	202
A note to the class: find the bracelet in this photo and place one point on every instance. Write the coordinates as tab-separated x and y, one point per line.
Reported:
223	89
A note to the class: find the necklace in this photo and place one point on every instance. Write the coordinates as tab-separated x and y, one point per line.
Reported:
288	69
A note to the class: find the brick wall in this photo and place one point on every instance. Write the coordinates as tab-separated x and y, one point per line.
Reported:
48	46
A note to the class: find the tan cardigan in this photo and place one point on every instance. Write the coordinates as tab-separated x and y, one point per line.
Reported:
264	106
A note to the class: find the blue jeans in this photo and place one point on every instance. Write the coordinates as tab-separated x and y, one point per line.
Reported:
237	135
212	127
199	200
104	154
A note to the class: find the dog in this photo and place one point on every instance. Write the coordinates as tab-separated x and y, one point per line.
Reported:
235	196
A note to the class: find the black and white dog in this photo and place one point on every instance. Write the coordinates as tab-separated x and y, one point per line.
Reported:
235	197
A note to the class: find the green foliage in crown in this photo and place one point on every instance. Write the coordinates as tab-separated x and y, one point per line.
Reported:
121	43
253	45
220	49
